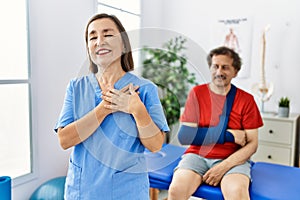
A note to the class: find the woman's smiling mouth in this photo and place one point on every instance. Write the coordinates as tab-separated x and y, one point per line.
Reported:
103	52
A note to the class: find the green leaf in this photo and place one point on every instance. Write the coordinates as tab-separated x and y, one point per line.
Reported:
167	68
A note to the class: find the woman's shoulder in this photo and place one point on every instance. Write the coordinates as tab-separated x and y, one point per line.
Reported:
141	81
83	80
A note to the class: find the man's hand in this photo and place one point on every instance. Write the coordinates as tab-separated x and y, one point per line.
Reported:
240	136
215	174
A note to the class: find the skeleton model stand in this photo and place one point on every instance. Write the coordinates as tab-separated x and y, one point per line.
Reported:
263	90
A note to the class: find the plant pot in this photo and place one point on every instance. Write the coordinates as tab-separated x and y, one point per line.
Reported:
283	111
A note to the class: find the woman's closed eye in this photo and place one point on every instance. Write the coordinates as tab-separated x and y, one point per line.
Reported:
93	38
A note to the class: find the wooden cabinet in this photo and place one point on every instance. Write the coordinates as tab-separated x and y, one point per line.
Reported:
278	140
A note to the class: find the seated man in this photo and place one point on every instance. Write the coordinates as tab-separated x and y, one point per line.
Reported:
226	161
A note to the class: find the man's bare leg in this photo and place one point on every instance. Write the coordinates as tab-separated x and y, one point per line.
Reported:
184	184
235	187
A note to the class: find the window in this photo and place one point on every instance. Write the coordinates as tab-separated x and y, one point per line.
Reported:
127	11
15	134
129	14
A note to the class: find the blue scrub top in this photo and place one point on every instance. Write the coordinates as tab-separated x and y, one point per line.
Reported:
110	164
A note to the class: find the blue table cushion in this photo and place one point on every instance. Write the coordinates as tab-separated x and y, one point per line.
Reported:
274	181
161	166
269	181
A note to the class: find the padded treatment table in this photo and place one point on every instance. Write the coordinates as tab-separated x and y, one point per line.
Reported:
276	182
269	181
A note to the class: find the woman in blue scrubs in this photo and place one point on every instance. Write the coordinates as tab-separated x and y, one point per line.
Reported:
109	116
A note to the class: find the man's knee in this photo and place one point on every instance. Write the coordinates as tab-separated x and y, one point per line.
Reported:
234	189
184	184
235	186
177	190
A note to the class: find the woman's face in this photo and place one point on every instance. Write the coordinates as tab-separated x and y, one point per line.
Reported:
104	42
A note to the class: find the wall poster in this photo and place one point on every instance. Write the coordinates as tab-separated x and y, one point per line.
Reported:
235	33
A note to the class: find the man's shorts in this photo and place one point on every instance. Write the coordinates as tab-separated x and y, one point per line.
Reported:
201	165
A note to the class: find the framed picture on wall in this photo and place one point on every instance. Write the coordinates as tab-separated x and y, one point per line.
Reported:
235	33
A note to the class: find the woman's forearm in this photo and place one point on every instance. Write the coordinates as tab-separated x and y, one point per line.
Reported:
79	130
150	135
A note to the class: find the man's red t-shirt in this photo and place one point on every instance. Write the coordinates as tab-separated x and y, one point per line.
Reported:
204	107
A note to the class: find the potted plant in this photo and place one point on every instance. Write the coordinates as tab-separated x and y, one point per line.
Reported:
284	107
167	68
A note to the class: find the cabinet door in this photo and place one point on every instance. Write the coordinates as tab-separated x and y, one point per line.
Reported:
272	154
276	131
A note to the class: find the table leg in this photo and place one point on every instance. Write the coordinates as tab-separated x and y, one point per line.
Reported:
154	193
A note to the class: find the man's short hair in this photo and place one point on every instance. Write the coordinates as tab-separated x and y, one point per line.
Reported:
237	61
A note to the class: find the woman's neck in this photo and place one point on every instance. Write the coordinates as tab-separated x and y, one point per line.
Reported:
109	75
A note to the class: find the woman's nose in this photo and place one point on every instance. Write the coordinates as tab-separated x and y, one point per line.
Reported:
100	41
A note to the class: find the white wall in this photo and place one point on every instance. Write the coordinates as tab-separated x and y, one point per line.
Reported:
57	51
193	18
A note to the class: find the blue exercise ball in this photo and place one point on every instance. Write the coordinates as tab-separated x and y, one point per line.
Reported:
50	190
